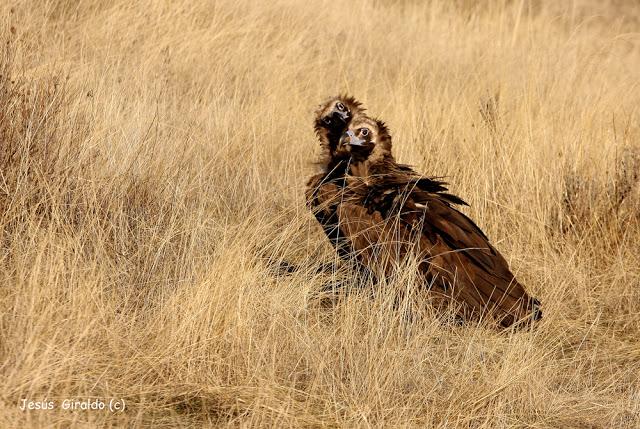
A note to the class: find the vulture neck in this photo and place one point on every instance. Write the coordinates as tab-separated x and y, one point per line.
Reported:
360	168
339	168
369	167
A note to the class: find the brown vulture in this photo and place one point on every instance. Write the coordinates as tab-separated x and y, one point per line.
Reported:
331	121
379	212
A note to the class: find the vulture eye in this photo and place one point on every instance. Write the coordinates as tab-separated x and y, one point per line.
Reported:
326	120
340	106
364	132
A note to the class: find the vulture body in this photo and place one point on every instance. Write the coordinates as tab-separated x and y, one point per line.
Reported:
380	212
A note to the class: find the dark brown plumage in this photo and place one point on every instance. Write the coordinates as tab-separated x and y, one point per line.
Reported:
382	211
331	121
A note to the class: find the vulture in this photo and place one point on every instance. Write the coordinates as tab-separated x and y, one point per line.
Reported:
331	121
380	212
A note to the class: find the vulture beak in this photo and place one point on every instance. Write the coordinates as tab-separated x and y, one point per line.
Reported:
341	117
351	139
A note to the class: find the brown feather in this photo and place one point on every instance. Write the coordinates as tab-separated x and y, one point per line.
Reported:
385	211
323	188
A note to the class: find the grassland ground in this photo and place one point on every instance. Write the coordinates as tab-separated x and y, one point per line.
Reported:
153	157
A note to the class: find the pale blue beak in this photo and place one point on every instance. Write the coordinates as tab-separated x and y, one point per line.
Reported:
354	140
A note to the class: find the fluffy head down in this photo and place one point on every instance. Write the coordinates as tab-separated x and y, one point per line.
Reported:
333	117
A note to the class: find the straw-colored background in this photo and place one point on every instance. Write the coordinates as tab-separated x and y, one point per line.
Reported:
153	162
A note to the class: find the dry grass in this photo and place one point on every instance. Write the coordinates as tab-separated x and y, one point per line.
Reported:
153	157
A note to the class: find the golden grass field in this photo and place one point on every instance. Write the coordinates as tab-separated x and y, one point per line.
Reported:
153	159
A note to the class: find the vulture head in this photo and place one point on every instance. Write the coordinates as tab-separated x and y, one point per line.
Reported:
365	139
333	118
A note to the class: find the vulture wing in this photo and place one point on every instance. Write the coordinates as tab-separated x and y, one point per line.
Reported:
323	198
399	215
